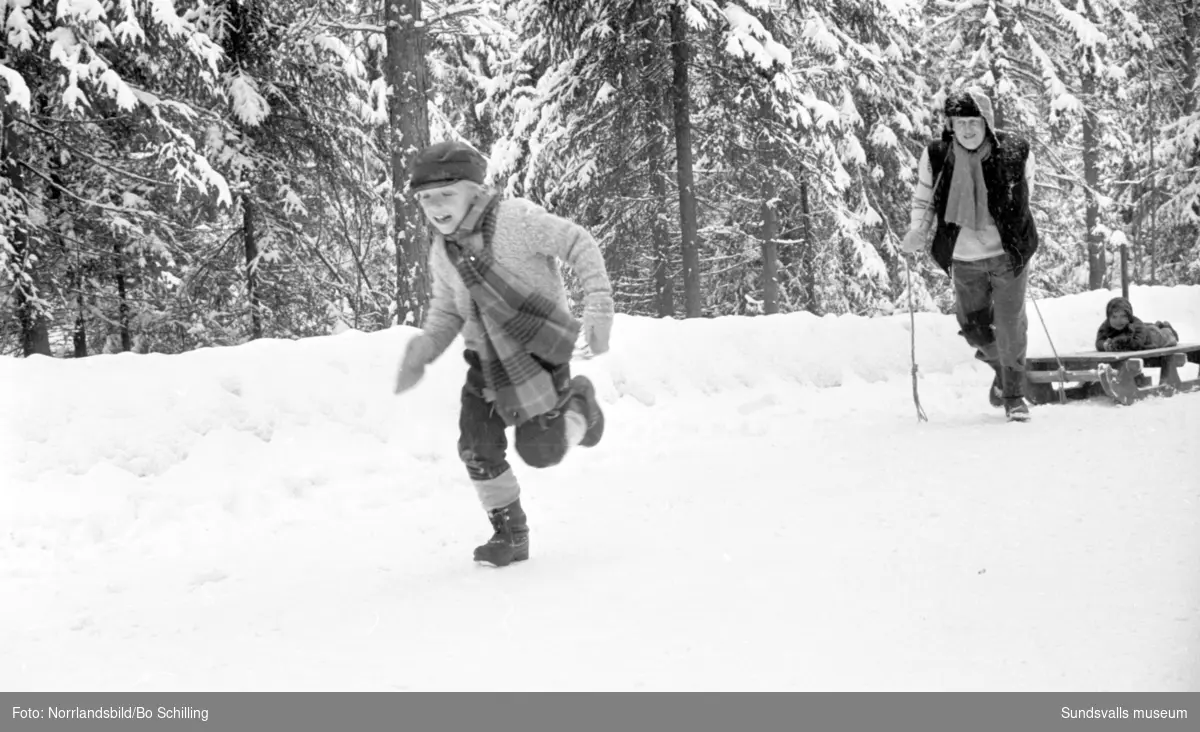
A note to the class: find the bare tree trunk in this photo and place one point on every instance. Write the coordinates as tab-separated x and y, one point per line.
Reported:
79	334
409	116
770	252
656	125
769	232
1125	271
997	108
1137	250
122	296
1189	16
35	332
1151	131
250	243
688	224
664	283
1191	37
76	280
808	265
1097	261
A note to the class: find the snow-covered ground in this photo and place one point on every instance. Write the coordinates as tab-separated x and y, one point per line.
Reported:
764	513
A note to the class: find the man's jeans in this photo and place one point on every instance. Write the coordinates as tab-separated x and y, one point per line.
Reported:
991	312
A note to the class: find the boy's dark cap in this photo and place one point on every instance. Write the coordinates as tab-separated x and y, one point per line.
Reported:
444	163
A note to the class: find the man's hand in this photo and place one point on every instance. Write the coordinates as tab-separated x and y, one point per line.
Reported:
914	240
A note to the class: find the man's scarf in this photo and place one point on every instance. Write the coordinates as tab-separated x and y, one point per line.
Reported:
967	201
518	322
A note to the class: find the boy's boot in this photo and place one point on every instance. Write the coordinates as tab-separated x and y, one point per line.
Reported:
510	542
583	398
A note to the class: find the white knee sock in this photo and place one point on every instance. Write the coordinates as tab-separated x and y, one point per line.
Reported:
499	491
576	427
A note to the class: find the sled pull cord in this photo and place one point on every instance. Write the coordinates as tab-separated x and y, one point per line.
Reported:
912	318
1062	370
913	332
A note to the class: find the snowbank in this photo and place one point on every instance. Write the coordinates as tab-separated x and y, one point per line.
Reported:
152	414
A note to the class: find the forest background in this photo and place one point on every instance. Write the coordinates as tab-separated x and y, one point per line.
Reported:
175	175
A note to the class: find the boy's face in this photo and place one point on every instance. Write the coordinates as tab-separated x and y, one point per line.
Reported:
1119	319
447	206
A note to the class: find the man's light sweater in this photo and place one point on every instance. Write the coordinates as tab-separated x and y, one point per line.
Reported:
529	243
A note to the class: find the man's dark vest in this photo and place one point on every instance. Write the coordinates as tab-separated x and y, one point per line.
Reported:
1008	199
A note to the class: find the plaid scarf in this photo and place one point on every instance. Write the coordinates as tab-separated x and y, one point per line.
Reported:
518	323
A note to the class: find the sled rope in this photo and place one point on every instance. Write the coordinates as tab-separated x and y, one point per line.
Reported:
912	318
913	332
1062	370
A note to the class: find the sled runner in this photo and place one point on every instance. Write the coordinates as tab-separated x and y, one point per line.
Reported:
1118	374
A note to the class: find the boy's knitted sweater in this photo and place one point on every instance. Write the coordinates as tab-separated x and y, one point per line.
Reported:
529	242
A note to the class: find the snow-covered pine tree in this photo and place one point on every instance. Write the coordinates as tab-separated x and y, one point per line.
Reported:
586	101
472	55
595	134
294	143
1055	71
93	132
854	93
1164	163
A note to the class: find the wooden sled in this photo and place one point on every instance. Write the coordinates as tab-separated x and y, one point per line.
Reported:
1117	374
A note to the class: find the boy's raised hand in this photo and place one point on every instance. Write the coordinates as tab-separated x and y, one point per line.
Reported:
597	323
412	366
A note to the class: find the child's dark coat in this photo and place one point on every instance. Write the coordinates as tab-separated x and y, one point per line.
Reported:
1136	336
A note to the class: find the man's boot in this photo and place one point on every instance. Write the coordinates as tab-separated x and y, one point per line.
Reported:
1015	408
510	542
996	390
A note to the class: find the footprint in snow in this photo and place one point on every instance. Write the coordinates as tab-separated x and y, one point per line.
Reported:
205	578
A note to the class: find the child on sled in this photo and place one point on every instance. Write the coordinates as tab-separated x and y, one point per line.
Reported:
1121	331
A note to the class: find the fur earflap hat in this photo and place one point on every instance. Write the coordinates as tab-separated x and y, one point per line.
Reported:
970	102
